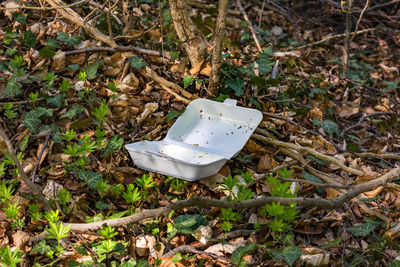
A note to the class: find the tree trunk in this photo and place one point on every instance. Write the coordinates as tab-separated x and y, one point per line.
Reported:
217	47
187	32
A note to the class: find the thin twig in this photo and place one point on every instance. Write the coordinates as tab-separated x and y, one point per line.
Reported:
24	176
333	37
249	24
45	8
117	49
302	181
347	41
190	249
363	117
40	156
359	20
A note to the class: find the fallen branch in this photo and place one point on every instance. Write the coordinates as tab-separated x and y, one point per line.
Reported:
21	171
74	17
252	203
45	8
118	49
307	150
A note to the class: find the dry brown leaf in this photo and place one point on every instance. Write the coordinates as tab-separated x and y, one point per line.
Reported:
367	176
374	193
347	111
203	233
196	69
206	70
253	147
315	113
266	163
167	262
323	146
59	61
56	172
19	238
331	193
141	246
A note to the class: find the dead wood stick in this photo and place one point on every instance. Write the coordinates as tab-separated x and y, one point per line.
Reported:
152	74
249	24
377	156
332	37
303	181
359	20
307	150
117	49
346	45
40	155
252	203
24	176
74	17
44	8
177	96
363	117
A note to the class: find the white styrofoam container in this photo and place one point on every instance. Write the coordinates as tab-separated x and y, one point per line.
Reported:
201	140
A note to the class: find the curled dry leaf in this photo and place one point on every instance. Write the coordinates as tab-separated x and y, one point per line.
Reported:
149	109
52	189
323	146
59	61
318	259
141	246
266	163
19	238
203	233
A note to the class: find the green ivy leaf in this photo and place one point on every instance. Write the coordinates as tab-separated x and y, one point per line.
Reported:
47	51
102	206
114	144
29	39
187	224
237	255
63	37
32	122
24	143
75	110
91	71
330	127
289	254
91	178
21	18
308	176
172	115
236	85
364	229
41	247
55	101
265	64
137	62
187	81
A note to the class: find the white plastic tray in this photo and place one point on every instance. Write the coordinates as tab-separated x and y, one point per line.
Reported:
200	142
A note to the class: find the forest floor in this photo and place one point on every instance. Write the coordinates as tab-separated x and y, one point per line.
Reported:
70	103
